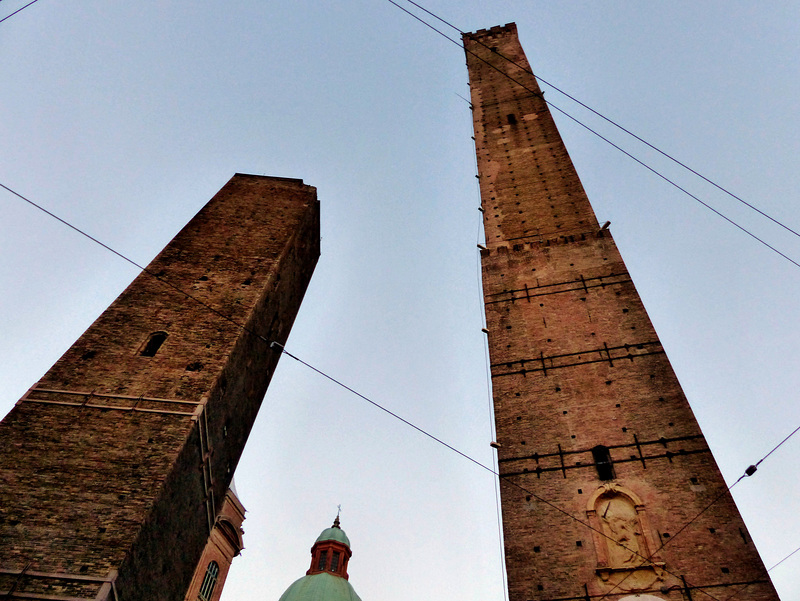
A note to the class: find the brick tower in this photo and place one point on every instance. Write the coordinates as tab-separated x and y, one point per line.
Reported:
604	468
115	465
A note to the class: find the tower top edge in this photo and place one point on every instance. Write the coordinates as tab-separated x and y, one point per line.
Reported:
293	180
492	31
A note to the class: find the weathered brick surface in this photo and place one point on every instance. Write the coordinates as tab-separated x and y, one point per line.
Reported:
576	363
114	459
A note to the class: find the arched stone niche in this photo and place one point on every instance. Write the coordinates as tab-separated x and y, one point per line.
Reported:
627	553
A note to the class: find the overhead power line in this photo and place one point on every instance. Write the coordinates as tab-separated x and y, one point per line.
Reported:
131	261
277	346
604	138
784	559
749	472
614	123
18	10
751	469
274	345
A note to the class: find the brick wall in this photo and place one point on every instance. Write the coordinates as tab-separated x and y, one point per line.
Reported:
116	462
577	365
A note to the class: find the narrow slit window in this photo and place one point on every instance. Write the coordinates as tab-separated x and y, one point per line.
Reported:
335	561
209	582
153	344
323	558
603	463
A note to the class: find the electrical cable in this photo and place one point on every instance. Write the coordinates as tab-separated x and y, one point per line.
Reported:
18	10
492	431
277	346
749	472
672	537
271	343
488	375
280	348
672	183
784	559
274	344
614	123
751	469
735	594
605	139
132	262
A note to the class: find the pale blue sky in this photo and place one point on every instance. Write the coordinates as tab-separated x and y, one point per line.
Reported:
125	118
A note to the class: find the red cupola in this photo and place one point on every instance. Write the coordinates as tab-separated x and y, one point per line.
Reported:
331	552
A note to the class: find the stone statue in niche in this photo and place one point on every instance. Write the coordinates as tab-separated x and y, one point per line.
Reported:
621	524
627	556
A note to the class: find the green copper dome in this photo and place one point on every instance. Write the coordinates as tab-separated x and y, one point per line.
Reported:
334	533
320	587
326	579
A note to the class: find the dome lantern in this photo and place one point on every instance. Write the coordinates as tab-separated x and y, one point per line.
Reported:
331	552
326	579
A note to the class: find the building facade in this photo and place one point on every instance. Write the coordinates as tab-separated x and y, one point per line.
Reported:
117	462
224	543
609	489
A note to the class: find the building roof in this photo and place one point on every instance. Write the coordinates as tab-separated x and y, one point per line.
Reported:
334	533
320	587
326	579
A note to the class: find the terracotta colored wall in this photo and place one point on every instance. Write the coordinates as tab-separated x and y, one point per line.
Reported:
576	363
224	543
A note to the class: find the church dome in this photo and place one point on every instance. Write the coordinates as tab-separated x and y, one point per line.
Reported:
327	578
320	587
334	533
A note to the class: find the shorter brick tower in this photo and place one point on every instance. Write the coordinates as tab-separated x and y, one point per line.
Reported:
609	489
116	464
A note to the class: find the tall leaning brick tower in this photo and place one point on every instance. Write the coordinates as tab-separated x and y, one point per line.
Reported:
604	468
115	465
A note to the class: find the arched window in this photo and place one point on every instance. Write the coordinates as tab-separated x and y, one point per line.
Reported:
153	344
209	582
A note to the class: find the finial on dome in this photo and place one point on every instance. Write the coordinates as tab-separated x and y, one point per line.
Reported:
336	521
